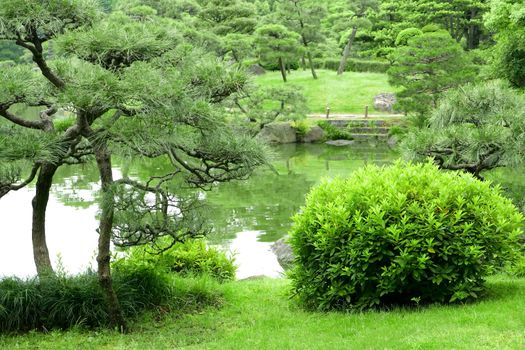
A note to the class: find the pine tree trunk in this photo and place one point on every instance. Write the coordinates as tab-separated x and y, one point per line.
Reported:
309	55
303	62
473	32
311	62
346	52
38	231
103	158
283	69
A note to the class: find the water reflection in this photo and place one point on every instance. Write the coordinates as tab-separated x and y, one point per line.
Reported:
245	215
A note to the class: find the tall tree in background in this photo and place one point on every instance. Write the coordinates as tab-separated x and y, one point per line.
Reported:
304	17
233	21
428	65
463	19
275	42
137	90
356	18
507	20
229	16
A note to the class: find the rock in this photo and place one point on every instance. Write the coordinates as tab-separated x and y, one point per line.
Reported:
384	102
284	252
340	142
315	134
278	133
392	141
256	69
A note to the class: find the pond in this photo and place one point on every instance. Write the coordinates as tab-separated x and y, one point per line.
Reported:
246	216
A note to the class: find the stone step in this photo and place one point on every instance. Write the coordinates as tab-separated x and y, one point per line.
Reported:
343	123
366	137
368	130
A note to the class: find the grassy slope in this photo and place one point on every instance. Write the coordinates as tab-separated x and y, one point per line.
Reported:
258	315
348	93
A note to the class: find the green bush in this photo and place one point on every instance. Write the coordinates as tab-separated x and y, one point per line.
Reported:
406	34
399	235
332	132
274	65
61	302
354	65
192	257
301	128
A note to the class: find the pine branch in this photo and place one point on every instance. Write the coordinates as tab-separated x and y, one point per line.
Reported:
36	50
31	124
6	188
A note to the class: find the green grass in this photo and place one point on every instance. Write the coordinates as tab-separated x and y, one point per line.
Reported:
258	315
347	93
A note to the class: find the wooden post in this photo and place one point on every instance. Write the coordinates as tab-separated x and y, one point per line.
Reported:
327	112
366	111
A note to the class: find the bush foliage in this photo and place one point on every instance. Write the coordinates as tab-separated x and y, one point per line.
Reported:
62	302
355	65
399	235
333	132
192	257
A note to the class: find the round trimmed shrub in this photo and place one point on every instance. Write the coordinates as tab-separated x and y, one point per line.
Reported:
400	234
406	34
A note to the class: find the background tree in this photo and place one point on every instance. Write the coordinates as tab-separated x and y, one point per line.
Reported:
276	43
240	46
355	17
428	65
261	106
507	20
461	18
304	17
474	128
229	16
137	90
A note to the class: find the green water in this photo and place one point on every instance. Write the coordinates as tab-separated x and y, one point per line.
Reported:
258	208
266	201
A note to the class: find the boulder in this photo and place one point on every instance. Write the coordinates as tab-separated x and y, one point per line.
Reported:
278	133
340	142
284	252
392	141
256	69
384	102
315	134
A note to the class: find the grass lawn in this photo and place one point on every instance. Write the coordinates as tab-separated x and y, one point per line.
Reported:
347	93
258	315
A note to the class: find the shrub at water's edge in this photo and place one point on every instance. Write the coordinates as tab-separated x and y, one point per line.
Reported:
399	235
192	257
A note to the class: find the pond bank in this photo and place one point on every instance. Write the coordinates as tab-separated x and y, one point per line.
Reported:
317	129
259	207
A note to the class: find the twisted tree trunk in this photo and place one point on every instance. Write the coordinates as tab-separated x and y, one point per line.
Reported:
103	158
39	203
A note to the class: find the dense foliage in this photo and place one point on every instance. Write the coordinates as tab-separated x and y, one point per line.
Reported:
398	235
507	19
425	65
137	86
193	257
474	128
63	302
